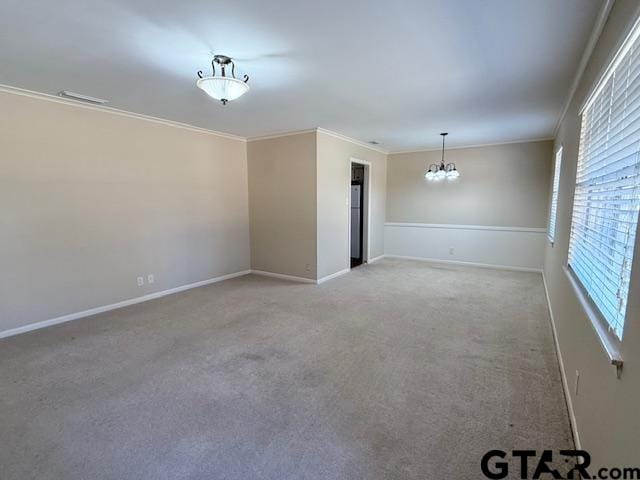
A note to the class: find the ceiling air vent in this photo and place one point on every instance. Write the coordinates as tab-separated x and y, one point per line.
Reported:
82	98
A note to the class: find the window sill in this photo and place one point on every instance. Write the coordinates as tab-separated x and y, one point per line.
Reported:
608	340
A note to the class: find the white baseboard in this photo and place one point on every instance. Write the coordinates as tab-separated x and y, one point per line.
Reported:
565	383
333	275
375	259
114	306
282	276
467	264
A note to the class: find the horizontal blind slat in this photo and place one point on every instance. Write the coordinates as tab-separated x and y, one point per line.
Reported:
606	200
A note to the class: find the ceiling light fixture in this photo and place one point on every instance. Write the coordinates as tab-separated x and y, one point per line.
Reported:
221	87
442	171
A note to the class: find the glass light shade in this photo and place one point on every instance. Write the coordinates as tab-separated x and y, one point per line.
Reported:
429	175
441	174
453	174
223	88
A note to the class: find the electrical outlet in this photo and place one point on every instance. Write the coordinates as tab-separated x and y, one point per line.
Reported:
307	267
577	382
150	278
451	250
140	281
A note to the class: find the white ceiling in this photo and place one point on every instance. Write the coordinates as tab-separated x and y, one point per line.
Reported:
398	72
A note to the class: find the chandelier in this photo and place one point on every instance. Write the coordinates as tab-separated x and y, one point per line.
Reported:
221	87
442	171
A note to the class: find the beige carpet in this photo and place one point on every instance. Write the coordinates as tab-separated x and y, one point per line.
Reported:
397	370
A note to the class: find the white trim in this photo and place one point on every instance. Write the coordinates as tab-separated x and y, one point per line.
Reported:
375	259
280	135
367	178
114	306
611	345
598	26
466	264
317	130
333	275
172	123
351	140
565	383
466	227
115	111
282	276
479	145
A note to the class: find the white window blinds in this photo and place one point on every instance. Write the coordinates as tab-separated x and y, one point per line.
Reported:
551	231
607	193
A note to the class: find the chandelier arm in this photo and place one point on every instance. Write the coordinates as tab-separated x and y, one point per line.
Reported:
246	78
233	70
199	73
213	66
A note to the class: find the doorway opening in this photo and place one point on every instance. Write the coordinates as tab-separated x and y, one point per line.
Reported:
359	213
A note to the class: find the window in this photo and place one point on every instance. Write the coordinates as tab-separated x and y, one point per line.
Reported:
551	231
607	194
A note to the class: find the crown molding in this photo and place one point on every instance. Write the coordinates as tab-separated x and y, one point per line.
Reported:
479	145
352	140
598	26
115	111
280	134
171	123
318	130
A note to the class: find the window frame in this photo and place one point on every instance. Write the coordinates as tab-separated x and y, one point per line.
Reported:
555	193
610	342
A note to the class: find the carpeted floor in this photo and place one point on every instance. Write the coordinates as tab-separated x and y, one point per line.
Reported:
397	370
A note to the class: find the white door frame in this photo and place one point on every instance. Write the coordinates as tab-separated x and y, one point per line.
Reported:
367	218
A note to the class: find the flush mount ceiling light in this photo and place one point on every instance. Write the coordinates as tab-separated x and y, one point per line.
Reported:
221	87
442	171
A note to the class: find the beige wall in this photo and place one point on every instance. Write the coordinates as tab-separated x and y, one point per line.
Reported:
91	200
334	180
502	185
606	408
282	205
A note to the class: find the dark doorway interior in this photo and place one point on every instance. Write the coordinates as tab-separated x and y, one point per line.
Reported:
357	214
